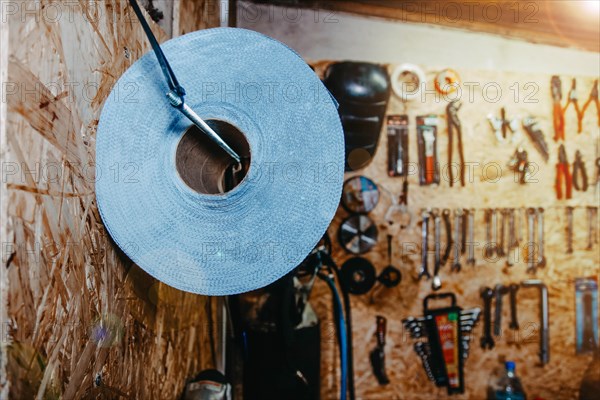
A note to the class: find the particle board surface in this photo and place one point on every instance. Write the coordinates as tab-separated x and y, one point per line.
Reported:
83	321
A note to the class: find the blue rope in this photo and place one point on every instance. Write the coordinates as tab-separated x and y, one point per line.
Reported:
342	337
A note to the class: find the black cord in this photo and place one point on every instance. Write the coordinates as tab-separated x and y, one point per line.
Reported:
162	60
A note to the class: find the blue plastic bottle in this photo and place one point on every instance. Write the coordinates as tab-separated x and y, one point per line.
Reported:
508	387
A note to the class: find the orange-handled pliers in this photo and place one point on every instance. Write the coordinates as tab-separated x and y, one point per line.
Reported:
593	97
563	175
558	116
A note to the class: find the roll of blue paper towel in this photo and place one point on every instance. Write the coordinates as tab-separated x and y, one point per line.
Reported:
162	187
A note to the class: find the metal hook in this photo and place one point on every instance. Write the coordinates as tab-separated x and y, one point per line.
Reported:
176	91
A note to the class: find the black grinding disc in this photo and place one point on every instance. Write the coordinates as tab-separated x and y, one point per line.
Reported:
358	275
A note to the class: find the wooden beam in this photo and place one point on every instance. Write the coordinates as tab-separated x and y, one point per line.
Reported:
557	23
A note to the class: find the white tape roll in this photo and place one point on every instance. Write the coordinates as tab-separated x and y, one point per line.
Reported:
407	81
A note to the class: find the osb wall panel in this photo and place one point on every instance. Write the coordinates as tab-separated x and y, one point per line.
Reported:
560	379
195	15
3	197
83	322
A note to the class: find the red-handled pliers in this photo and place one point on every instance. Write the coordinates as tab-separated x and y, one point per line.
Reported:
563	174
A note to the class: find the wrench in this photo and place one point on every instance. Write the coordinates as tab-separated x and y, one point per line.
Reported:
424	244
531	245
500	245
423	351
489	246
495	249
540	228
514	323
499	291
448	228
457	230
436	284
471	233
512	237
487	341
569	211
544	322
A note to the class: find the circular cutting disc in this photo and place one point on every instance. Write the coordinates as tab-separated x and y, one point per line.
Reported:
360	195
358	275
358	234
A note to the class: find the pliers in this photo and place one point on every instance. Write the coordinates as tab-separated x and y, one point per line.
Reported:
593	97
558	116
579	171
454	124
572	98
563	174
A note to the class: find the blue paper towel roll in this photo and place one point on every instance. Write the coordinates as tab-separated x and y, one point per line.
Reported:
159	189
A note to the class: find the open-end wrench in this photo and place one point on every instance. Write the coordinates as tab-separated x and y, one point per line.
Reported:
514	323
448	228
457	231
423	351
540	228
471	234
436	284
569	211
487	341
499	291
489	249
531	256
520	217
472	314
592	215
463	227
501	243
424	245
495	231
544	322
512	237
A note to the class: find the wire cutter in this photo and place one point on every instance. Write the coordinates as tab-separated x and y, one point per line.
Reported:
593	98
454	124
572	98
563	174
558	115
579	172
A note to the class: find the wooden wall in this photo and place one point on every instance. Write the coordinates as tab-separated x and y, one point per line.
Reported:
559	379
83	322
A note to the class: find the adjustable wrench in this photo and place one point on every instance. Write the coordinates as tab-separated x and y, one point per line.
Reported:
499	291
457	230
514	323
540	228
487	341
531	261
471	234
436	284
569	211
424	245
592	214
544	323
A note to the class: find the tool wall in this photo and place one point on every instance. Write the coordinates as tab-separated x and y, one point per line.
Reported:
489	184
